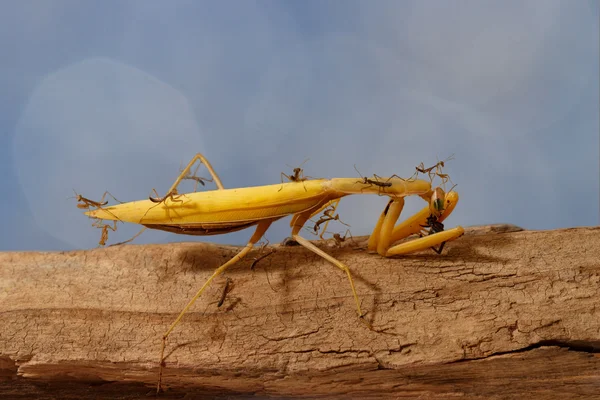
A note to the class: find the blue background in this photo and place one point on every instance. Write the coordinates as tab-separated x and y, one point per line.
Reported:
116	95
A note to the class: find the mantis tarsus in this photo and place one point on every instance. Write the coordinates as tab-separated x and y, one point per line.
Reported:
227	210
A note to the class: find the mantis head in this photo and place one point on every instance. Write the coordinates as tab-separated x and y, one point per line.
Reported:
437	201
441	203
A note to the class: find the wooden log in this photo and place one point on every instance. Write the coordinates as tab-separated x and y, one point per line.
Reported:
503	313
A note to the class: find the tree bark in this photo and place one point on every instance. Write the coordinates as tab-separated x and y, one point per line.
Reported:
502	313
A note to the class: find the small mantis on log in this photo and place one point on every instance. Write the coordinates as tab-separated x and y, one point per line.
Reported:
228	287
227	210
339	239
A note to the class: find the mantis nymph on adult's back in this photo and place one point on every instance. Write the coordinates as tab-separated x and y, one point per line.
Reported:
227	210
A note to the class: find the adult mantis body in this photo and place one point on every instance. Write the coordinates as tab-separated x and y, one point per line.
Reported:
227	210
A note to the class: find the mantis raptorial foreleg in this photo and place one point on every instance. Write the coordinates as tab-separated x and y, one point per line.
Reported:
425	242
260	231
385	233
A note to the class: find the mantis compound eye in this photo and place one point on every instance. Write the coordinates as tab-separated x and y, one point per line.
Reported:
436	205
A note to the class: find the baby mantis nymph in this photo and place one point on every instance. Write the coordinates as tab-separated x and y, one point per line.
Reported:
228	287
105	228
197	179
325	218
223	210
297	174
376	181
173	195
339	239
438	170
85	203
371	182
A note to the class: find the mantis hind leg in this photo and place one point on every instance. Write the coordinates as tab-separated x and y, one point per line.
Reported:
260	231
186	170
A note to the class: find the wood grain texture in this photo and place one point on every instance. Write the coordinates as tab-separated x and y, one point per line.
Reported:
503	313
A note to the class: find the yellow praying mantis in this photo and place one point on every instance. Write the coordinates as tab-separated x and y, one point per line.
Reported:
223	210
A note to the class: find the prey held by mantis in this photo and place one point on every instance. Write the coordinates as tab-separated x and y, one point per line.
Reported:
221	211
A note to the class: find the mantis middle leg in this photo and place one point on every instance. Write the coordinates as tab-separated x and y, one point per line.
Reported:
299	222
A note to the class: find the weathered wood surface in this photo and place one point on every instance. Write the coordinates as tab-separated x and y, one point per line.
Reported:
501	314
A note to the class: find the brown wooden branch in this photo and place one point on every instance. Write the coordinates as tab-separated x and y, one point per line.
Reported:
501	314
